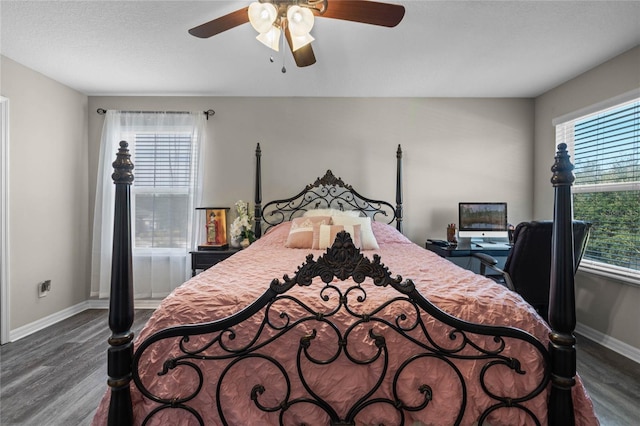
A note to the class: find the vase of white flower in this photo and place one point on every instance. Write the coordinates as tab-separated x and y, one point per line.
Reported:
241	232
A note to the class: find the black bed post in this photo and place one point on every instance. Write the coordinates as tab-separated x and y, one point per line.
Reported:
258	196
399	189
562	308
120	351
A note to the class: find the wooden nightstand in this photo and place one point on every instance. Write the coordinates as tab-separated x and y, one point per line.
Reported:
205	259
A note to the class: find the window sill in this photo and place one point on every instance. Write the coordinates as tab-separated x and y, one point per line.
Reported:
622	275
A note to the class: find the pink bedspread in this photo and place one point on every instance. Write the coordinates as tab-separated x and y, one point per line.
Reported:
231	285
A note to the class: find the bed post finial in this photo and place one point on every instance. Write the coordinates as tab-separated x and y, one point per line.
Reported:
257	231
120	352
562	168
399	189
562	309
122	166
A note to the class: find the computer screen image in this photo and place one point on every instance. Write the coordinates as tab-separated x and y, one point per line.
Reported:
482	220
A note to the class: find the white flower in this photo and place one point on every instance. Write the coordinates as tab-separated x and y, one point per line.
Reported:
241	226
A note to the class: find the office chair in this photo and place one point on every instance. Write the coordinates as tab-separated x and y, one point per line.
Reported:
527	269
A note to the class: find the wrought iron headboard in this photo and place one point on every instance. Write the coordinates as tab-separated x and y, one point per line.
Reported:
328	191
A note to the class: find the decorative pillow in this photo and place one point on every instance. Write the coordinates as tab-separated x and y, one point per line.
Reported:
301	232
331	212
325	235
367	239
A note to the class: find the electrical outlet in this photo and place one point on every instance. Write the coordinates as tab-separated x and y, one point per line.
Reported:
43	288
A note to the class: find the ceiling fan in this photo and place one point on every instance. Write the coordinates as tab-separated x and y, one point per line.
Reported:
295	18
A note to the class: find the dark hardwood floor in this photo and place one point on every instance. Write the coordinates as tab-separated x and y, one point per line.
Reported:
58	375
613	382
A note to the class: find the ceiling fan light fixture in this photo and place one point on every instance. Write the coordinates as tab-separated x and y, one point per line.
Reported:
300	20
262	16
271	38
296	18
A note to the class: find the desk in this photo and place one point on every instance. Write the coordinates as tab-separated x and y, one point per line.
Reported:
462	255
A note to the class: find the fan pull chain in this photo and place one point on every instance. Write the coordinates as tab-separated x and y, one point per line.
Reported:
284	70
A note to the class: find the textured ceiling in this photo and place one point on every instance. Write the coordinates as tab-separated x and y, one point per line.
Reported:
440	49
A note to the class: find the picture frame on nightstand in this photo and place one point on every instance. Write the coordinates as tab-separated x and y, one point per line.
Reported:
216	225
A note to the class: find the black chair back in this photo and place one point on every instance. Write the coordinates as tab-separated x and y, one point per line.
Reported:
529	261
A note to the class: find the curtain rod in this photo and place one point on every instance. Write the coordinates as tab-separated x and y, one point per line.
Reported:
208	113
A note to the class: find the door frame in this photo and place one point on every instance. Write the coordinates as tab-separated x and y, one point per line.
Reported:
5	326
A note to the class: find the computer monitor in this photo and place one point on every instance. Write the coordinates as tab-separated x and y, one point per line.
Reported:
482	220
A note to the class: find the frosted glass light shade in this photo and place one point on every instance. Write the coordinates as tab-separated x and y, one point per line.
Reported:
300	41
270	38
262	16
300	20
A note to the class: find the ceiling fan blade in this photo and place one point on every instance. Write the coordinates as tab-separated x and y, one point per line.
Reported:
367	12
303	56
223	23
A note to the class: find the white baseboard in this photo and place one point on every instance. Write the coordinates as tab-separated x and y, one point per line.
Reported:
137	304
612	343
98	303
45	322
52	319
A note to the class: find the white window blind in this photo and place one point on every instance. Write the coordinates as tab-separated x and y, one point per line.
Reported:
605	148
163	178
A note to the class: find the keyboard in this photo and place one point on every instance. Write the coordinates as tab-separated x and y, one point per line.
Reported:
491	246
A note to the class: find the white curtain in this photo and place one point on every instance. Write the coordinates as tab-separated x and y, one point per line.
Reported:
159	194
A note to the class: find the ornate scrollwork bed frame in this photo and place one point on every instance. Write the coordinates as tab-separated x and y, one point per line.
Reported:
344	261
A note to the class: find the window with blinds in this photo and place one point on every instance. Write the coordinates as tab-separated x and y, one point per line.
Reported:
163	176
605	148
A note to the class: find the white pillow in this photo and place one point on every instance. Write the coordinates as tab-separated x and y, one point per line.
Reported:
331	212
325	235
367	239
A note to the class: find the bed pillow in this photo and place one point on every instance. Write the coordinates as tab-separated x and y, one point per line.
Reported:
331	212
325	235
301	232
367	239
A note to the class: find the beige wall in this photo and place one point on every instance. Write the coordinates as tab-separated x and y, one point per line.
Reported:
49	231
454	149
605	305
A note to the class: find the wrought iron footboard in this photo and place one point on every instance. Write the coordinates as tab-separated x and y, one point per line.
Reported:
322	339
